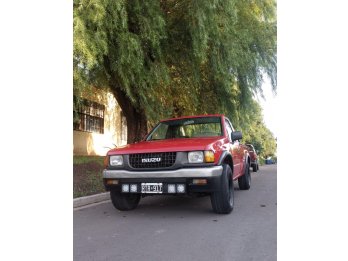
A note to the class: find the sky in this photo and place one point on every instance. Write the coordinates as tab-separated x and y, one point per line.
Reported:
269	107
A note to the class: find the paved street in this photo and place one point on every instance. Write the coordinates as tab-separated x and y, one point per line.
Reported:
182	228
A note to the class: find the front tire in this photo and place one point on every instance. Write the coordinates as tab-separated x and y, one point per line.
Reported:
244	181
222	200
122	201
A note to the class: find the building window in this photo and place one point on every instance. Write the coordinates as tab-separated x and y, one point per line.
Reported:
88	116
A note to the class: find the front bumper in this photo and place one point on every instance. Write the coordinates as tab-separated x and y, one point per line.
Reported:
182	176
179	173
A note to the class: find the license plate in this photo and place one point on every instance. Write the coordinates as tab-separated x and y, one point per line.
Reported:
151	187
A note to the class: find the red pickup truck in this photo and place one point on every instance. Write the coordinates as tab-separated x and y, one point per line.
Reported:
187	155
254	159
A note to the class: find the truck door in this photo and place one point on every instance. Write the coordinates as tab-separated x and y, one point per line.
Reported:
234	149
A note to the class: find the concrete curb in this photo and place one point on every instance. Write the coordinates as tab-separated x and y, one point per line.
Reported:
82	201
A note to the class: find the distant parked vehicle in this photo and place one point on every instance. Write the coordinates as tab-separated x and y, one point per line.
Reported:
254	159
269	160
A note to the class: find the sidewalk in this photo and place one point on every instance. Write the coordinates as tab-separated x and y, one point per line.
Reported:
87	200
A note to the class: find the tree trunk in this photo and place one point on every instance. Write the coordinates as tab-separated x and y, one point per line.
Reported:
136	126
136	118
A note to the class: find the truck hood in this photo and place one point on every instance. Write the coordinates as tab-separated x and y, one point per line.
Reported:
170	145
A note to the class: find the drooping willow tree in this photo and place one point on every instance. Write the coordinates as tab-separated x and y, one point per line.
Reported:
175	57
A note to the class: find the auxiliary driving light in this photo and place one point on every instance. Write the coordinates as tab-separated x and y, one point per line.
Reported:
133	188
171	188
125	187
180	188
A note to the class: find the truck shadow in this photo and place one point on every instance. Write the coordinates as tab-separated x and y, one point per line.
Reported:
175	204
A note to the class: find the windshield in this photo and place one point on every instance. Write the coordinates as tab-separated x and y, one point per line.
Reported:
187	128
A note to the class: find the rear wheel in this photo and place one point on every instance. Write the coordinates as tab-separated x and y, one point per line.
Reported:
244	181
254	167
122	201
222	201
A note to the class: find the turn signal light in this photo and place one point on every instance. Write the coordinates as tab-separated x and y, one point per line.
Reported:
199	181
209	156
106	162
112	182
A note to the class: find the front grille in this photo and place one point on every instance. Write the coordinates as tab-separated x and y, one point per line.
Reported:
167	159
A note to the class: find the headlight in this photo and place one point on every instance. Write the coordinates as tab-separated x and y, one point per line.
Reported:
116	160
195	157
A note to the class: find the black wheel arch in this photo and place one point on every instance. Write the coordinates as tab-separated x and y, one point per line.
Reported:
226	158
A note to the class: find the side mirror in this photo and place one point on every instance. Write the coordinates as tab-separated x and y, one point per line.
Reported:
237	135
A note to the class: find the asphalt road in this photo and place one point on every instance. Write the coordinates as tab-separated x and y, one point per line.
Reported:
183	228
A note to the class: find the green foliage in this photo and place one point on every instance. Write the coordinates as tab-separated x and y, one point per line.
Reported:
120	41
99	160
177	57
256	133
